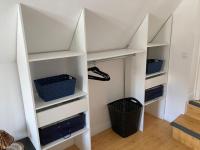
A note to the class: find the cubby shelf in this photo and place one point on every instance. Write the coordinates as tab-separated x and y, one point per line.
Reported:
153	100
94	56
52	144
155	74
157	44
53	55
40	104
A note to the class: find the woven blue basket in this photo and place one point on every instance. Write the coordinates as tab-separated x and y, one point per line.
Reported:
55	87
154	65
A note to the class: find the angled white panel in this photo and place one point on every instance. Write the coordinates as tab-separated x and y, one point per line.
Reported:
26	84
164	34
139	40
79	39
44	31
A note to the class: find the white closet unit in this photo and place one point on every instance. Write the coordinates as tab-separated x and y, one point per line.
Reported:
159	48
34	65
136	79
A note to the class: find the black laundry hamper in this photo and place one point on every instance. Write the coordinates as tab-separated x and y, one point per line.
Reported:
125	116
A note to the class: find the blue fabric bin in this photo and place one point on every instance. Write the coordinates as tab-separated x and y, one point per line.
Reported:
62	129
55	87
154	65
154	92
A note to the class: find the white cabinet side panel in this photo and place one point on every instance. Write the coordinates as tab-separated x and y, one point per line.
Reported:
26	85
79	44
135	79
135	67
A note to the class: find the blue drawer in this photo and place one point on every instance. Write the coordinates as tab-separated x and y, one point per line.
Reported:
55	87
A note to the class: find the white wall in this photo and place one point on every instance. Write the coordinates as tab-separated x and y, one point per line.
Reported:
11	108
111	26
181	73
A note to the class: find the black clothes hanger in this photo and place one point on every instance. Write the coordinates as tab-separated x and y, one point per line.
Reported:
105	76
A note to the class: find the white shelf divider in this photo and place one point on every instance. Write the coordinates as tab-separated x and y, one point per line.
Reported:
40	104
95	56
155	74
62	140
153	100
53	55
157	44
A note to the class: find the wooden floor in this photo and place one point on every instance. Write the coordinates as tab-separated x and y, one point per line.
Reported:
157	135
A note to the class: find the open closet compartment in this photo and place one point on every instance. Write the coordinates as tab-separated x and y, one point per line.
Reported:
46	62
157	82
132	81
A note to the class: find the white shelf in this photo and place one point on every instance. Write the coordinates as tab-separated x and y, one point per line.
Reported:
52	144
156	44
53	55
39	103
94	56
153	100
155	74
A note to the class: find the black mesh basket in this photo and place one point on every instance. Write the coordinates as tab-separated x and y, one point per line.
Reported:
125	116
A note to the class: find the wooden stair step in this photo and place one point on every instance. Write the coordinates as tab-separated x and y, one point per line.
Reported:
193	110
187	130
186	139
188	124
195	103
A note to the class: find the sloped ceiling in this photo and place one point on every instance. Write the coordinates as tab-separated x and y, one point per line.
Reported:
111	23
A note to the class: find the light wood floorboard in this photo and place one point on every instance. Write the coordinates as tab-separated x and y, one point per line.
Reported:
157	135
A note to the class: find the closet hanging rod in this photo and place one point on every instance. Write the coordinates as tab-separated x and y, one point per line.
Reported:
110	59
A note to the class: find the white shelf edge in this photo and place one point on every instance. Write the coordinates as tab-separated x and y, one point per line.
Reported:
155	74
102	55
59	141
40	104
157	44
153	100
34	57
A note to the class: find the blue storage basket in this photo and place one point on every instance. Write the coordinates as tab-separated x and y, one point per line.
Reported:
55	87
61	129
154	65
154	92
